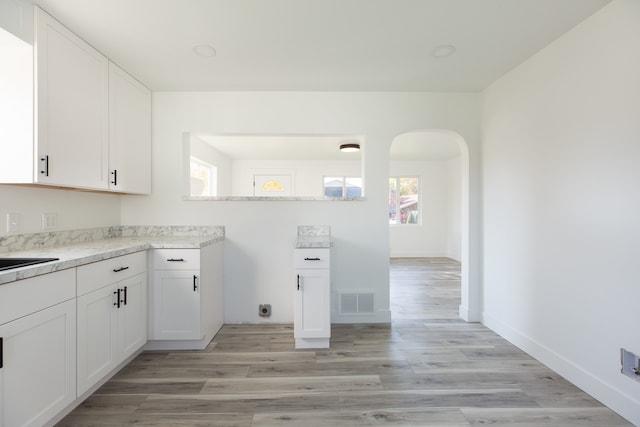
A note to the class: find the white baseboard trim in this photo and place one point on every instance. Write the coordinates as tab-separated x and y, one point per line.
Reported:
418	255
618	401
463	311
380	316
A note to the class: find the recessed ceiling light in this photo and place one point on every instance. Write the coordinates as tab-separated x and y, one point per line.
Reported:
204	50
443	51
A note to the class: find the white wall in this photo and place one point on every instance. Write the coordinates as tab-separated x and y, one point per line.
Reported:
561	145
307	174
259	235
454	208
75	209
430	237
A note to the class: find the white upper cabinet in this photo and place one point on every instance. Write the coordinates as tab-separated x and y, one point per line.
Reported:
84	124
72	89
129	133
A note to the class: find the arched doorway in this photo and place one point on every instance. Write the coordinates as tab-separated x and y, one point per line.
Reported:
439	160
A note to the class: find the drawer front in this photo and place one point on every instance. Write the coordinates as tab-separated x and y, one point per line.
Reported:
311	258
27	296
176	259
102	273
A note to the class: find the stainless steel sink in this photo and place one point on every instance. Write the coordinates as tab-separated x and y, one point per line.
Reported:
9	263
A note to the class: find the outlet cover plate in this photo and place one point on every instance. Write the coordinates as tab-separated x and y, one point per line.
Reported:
13	222
630	364
49	220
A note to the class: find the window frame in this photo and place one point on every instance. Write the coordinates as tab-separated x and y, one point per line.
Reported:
212	176
343	178
397	222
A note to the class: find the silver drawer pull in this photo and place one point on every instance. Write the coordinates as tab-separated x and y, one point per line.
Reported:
312	259
175	260
117	270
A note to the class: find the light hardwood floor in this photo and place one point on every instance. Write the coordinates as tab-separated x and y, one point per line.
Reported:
427	368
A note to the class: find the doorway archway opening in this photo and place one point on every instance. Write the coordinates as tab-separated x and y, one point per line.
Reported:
435	221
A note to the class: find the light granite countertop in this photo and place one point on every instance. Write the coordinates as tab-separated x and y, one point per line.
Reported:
76	254
313	236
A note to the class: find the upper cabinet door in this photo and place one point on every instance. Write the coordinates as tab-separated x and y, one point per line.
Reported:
129	133
71	108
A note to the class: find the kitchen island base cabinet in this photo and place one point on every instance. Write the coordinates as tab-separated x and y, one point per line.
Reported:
186	306
312	308
38	357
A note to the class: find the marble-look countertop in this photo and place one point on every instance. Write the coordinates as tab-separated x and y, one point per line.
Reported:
313	236
76	254
311	242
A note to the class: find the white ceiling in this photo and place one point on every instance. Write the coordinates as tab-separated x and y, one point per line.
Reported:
319	45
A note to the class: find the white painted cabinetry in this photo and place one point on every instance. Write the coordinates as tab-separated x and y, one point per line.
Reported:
38	348
312	302
186	297
129	133
71	114
112	315
84	123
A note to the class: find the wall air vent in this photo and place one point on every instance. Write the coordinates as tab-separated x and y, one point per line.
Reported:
356	303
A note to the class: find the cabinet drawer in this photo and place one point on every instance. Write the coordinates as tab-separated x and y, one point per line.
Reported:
176	259
27	296
102	273
311	258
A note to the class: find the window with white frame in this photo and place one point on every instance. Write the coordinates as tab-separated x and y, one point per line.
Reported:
342	186
204	178
404	200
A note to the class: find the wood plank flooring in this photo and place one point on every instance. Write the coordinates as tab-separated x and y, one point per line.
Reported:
427	368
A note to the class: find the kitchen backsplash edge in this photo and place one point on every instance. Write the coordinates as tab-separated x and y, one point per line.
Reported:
23	242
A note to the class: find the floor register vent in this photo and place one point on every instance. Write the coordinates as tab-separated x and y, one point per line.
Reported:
356	303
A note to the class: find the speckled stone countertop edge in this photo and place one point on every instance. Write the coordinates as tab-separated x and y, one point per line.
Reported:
308	244
313	236
75	255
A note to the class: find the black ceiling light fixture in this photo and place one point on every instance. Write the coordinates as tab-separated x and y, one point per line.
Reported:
349	148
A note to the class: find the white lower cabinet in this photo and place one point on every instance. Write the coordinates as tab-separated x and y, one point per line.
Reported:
112	315
185	297
177	305
37	349
312	302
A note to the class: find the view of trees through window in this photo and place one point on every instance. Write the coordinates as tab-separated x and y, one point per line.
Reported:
404	207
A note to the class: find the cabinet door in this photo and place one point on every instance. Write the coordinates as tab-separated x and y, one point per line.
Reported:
312	315
38	374
97	354
71	108
176	305
132	316
129	133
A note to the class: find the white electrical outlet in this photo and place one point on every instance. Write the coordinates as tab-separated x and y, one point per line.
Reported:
49	221
630	364
13	222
